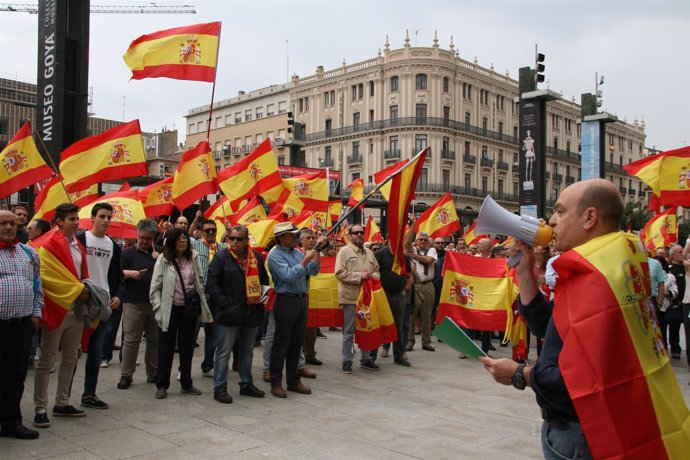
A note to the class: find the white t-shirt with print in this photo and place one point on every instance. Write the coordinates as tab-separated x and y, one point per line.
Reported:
99	253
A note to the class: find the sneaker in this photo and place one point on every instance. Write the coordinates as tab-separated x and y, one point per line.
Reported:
161	393
222	396
347	367
41	420
191	391
208	373
369	365
94	402
124	383
253	391
104	364
68	411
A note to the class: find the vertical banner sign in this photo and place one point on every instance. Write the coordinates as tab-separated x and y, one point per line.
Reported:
532	152
592	158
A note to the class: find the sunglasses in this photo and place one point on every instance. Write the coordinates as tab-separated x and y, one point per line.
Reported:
357	233
210	230
422	239
236	238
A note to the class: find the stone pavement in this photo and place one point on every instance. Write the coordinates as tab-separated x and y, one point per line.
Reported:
441	407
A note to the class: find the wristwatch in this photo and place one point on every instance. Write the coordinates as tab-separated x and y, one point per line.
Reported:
518	379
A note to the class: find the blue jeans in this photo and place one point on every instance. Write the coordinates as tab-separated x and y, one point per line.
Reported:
569	443
226	338
93	356
111	334
348	349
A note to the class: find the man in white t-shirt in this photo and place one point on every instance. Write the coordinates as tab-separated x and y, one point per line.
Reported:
423	258
103	257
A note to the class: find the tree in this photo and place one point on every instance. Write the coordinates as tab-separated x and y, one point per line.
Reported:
638	215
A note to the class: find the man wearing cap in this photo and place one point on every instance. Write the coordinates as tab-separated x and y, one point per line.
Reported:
289	269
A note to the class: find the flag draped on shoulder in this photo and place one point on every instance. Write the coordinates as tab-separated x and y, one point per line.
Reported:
22	165
157	198
357	193
182	53
667	174
661	230
439	220
59	276
477	292
628	402
324	307
374	324
127	212
114	154
195	176
372	232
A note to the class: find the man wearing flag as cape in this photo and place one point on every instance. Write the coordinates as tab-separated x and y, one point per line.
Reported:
597	403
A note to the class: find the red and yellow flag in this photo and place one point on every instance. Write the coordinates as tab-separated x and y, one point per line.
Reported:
342	234
311	189
372	232
53	193
195	176
157	198
309	219
380	176
334	209
357	193
250	213
255	174
401	194
628	402
324	307
127	212
182	53
219	212
374	324
477	292
260	233
61	284
114	154
22	165
470	236
668	175
439	220
661	230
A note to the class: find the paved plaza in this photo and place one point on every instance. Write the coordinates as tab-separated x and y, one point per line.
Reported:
440	408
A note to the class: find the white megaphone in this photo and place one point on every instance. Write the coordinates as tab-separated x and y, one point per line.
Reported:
494	219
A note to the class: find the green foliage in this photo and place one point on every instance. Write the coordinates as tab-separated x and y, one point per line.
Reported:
637	213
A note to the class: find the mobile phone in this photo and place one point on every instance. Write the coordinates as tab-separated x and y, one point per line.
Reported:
143	272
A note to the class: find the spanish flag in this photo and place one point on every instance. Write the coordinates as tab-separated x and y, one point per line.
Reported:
477	292
195	176
374	324
157	198
255	174
310	219
250	213
372	232
182	53
401	194
470	236
654	204
260	233
127	212
53	193
439	220
661	230
324	307
22	165
61	283
613	359
334	209
380	176
668	175
113	154
287	202
219	212
357	193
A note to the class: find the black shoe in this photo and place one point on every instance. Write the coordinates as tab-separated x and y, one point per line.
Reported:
67	411
191	391
17	430
41	420
347	367
124	383
675	355
403	362
369	365
314	361
321	334
253	391
222	396
93	402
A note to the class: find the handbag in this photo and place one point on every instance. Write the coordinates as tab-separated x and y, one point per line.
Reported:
192	300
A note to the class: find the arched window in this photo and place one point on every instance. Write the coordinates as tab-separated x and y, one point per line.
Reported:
395	84
420	81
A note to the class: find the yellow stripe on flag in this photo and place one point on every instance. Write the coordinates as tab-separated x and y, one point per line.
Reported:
59	284
170	50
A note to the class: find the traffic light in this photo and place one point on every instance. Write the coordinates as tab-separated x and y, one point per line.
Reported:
539	67
291	122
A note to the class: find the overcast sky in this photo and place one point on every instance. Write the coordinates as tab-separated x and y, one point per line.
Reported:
642	47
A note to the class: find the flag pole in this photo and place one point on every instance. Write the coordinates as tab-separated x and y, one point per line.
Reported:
52	163
213	90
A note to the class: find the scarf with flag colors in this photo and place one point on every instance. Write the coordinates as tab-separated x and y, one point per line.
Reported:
114	154
182	53
195	176
380	176
157	198
667	174
613	360
477	292
251	275
61	284
401	194
439	220
22	165
324	307
374	324
53	193
357	193
372	232
127	212
661	230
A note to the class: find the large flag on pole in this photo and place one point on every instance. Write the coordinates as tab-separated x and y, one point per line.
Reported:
439	220
114	154
661	230
22	165
127	212
157	198
668	175
628	401
312	190
379	177
195	176
182	53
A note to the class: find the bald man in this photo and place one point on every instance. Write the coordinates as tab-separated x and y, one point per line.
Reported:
584	211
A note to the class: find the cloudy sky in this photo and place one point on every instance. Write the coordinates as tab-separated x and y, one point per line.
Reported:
640	46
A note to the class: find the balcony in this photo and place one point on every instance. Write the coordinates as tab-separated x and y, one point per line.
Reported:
623	190
448	154
354	159
569	179
632	192
487	162
502	165
391	154
470	159
557	177
563	154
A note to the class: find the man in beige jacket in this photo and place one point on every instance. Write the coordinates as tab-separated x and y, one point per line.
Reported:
353	264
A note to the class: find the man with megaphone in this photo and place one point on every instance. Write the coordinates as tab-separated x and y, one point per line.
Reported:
588	395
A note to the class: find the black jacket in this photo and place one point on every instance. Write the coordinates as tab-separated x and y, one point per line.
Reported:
115	276
225	286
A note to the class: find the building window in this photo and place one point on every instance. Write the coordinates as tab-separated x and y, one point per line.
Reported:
355	176
419	142
259	139
282	106
327	154
355	148
424	178
259	112
371	114
446	143
500	186
371	88
191	128
500	127
485	123
446	179
270	110
248	115
567	146
467	148
485	185
555	143
219	122
485	152
393	111
467	91
303	104
329	125
395	84
516	189
357	91
446	84
355	120
446	113
281	161
228	120
420	81
468	181
393	143
500	155
238	117
420	113
467	118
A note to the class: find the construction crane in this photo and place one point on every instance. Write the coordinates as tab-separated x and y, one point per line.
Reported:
119	9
